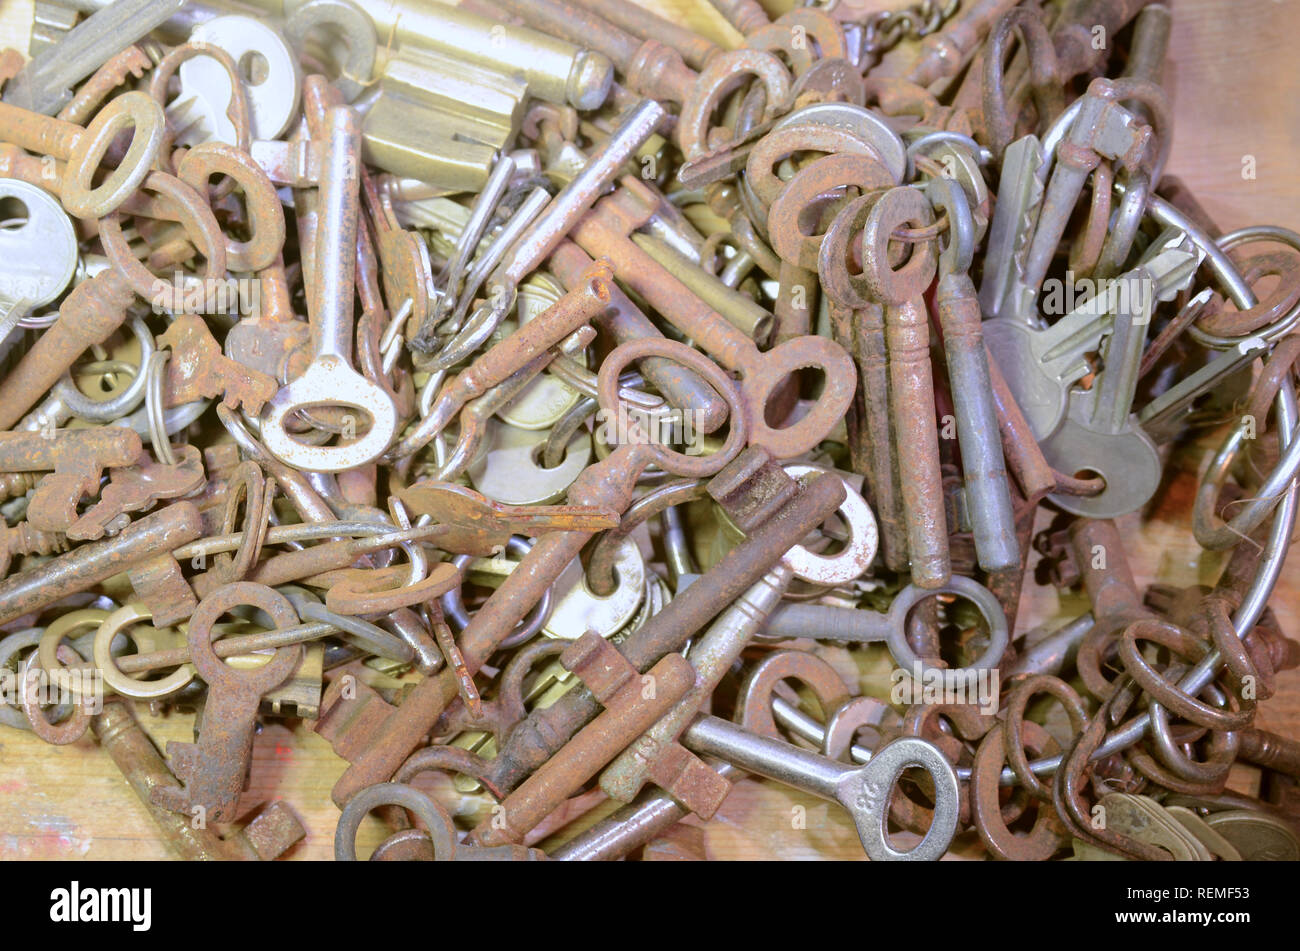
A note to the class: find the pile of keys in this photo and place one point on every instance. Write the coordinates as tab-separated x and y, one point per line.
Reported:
555	408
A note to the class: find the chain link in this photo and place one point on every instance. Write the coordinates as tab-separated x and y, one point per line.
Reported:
885	30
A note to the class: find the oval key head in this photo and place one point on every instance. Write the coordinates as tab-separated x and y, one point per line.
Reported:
771	369
866	792
131	110
329	381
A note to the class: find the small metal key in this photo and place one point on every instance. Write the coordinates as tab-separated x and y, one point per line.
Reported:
864	791
1041	366
213	769
1100	432
983	467
825	622
330	379
911	381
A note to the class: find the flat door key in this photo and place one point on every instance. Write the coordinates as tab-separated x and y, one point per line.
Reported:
45	84
863	790
213	769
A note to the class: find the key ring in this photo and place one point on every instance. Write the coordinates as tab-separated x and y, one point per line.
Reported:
1271	332
121	621
1212	532
103	411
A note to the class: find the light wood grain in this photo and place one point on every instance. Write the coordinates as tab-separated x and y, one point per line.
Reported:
1234	76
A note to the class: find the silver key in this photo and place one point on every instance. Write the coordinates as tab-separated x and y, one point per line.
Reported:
45	84
330	378
271	77
1041	366
1101	433
1020	193
863	790
40	254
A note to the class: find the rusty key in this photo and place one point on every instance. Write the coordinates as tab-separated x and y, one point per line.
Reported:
75	460
632	703
610	483
213	769
911	397
87	316
145	542
605	232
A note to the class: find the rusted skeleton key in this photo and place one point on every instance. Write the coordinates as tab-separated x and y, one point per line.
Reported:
608	484
605	231
479	526
143	550
213	770
857	317
87	316
198	369
911	384
75	461
136	487
632	703
272	832
773	529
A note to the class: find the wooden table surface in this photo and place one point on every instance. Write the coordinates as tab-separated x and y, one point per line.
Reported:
1234	78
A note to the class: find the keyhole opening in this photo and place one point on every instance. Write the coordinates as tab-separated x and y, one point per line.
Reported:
1088	475
917	788
253	68
950	626
782	409
14	213
538	456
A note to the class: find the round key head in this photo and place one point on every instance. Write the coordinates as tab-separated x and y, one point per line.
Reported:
37	244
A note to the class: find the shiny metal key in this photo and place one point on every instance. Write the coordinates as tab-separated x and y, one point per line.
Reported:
330	379
39	254
864	791
1020	193
1101	433
1041	366
45	84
